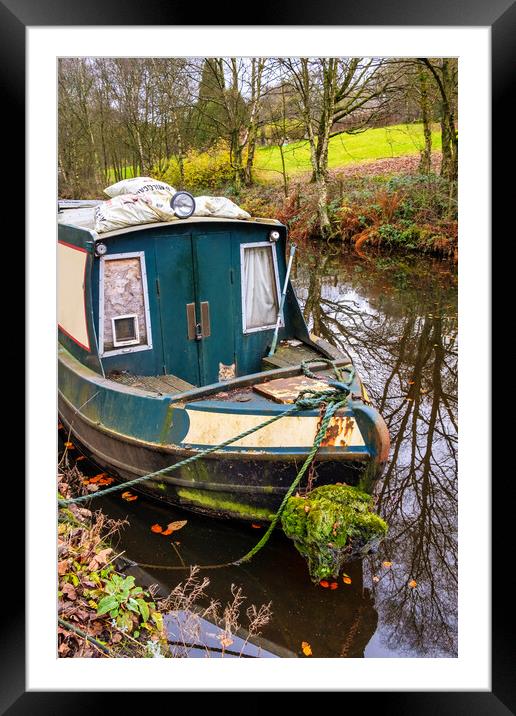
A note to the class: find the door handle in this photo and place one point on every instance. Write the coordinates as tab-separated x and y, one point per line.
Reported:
205	319
191	323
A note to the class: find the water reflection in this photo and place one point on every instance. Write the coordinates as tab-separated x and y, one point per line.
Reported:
398	320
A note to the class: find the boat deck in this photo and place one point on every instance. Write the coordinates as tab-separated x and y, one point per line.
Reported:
288	354
159	384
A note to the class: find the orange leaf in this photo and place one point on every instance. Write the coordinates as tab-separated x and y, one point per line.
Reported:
334	585
80	457
256	527
307	649
174	526
324	583
346	579
157	528
386	564
97	478
70	446
412	583
131	498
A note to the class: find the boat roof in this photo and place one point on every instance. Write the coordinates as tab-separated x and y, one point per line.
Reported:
81	213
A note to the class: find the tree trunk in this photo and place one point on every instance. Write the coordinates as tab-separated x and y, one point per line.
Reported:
425	161
283	171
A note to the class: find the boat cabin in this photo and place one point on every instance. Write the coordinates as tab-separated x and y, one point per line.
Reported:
194	301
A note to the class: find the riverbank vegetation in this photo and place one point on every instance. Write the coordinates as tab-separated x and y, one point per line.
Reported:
104	613
255	128
101	612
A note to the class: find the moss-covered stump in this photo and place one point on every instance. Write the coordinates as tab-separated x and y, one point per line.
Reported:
333	524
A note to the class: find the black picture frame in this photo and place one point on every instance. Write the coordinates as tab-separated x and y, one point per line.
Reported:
500	16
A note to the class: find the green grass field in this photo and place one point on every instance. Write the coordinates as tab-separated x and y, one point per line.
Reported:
384	142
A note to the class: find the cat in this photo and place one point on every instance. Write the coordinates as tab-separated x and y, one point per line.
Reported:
226	372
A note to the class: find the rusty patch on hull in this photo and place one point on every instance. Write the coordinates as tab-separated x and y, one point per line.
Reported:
339	432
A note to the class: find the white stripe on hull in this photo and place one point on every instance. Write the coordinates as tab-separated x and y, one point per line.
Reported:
208	428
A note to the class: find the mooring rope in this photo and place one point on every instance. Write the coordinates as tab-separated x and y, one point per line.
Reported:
335	397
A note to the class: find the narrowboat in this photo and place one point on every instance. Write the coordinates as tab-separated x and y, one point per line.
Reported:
165	334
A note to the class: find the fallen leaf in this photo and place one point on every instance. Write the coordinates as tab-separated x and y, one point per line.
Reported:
346	579
69	591
386	564
226	641
97	478
100	559
324	583
174	526
307	508
80	457
131	498
412	583
70	446
307	649
157	528
376	579
334	585
62	566
256	527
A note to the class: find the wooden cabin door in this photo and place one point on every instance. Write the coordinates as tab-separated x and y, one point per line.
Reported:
215	309
176	290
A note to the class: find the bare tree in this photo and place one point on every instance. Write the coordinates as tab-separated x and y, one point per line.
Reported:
229	100
336	95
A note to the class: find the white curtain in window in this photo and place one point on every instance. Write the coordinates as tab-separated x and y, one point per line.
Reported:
261	298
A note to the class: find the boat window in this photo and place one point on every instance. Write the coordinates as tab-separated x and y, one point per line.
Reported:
125	330
260	292
124	306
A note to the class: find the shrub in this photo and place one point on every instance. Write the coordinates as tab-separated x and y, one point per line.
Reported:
207	171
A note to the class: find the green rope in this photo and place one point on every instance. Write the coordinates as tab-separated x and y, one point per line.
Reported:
330	410
177	465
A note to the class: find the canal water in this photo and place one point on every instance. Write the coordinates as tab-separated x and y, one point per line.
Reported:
397	318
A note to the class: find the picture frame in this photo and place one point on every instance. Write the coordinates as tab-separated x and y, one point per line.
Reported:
15	17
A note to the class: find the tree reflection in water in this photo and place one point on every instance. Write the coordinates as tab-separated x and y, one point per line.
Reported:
397	318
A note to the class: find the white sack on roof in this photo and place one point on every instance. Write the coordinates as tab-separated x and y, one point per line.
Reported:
138	185
218	206
132	209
